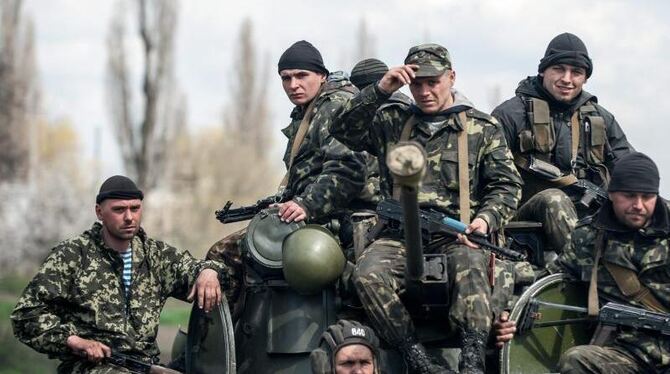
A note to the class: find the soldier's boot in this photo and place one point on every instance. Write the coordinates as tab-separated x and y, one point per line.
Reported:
473	353
417	359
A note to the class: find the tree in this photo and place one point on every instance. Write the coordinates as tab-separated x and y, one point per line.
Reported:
19	94
247	114
144	141
364	42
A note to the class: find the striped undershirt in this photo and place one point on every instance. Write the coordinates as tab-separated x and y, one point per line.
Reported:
127	258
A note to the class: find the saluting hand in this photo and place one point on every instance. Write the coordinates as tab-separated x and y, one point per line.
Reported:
208	290
397	77
94	351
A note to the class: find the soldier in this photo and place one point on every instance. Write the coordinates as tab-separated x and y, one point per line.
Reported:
323	175
559	133
103	291
629	243
347	347
440	117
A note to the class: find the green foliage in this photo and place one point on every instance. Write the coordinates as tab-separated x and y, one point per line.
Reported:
13	284
175	315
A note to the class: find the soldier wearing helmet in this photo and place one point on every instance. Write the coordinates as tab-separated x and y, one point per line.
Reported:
347	347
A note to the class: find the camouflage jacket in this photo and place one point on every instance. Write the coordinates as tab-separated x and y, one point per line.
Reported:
646	251
326	175
79	291
368	124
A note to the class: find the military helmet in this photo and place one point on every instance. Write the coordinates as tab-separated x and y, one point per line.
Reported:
337	336
264	238
312	259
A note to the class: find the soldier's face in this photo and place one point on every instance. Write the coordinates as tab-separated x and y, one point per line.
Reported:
301	86
120	218
633	209
433	94
564	82
354	359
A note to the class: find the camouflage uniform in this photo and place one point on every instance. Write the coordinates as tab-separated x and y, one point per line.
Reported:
647	251
325	177
79	291
513	116
495	189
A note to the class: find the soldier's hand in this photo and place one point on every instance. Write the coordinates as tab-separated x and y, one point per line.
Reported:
397	77
94	351
478	225
504	329
207	289
291	211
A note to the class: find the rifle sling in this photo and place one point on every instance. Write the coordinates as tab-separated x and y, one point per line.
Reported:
299	137
626	280
463	171
463	168
631	287
593	307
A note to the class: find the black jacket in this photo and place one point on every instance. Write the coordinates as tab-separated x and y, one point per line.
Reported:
512	115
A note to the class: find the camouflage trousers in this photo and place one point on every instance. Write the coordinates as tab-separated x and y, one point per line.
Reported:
379	278
600	360
554	209
228	250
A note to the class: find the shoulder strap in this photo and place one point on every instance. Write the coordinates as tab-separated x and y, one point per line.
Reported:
574	135
299	137
593	307
631	287
463	171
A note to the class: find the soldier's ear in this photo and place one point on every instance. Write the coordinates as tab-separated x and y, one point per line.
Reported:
98	211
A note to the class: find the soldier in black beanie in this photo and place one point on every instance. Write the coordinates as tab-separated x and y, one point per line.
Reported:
558	134
322	175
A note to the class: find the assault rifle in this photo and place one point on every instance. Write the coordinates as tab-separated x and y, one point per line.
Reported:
436	223
611	316
590	193
137	366
228	215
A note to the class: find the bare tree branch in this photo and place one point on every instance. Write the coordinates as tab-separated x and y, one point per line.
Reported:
149	136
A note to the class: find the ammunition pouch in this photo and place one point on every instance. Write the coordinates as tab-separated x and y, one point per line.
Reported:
537	143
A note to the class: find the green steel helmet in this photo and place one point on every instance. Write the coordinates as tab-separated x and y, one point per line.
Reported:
312	259
264	238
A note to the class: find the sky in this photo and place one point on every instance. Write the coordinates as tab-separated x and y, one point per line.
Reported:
494	45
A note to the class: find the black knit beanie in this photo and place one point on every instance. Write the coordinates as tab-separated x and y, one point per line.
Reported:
302	55
568	49
118	187
635	172
367	71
